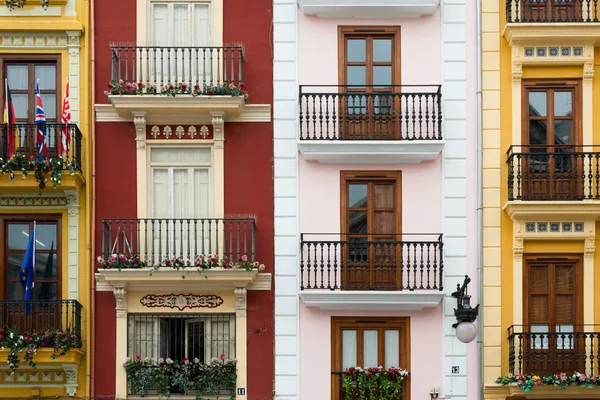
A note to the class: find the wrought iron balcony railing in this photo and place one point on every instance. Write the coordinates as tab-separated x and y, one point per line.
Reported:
551	173
60	315
27	134
171	65
372	262
534	350
159	239
553	11
329	112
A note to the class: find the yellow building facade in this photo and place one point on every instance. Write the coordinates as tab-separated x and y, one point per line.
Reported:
50	44
541	193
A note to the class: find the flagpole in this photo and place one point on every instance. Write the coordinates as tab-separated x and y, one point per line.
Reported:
33	261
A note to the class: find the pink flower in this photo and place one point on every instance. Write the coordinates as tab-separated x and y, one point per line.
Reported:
242	86
186	361
222	357
136	260
169	361
196	87
244	258
161	360
122	258
100	260
138	358
113	258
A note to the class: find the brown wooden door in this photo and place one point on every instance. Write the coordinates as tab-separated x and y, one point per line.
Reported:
369	69
550	10
371	231
553	307
551	163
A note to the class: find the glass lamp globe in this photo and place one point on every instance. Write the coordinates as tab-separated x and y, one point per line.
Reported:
466	332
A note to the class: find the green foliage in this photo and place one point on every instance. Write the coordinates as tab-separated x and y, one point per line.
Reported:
373	383
139	88
12	4
562	380
52	168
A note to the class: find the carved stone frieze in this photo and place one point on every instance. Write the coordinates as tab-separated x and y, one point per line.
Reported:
37	201
588	71
167	131
178	132
517	72
155	132
192	132
204	131
182	301
71	380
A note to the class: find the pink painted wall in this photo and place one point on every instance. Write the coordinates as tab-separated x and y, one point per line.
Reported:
315	349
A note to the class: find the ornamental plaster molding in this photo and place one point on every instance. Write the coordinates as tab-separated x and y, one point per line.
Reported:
204	131
121	298
517	72
182	301
139	120
590	248
71	379
167	131
24	201
240	301
179	132
218	123
588	72
518	246
34	40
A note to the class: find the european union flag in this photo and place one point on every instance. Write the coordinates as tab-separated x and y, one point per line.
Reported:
27	269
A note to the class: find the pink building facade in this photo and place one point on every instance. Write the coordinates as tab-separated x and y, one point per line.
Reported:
375	193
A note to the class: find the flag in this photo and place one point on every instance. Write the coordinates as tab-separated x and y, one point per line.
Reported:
12	134
40	120
65	137
27	270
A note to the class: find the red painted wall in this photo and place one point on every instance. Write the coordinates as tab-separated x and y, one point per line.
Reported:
248	175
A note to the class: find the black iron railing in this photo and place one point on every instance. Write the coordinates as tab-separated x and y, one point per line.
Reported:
553	172
60	315
552	11
27	134
569	348
380	262
158	239
170	65
370	113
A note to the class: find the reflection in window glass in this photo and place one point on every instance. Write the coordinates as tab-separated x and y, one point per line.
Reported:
357	50
382	50
18	236
537	104
357	75
563	104
17	77
47	76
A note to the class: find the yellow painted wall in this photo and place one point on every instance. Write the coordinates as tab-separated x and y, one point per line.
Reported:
13	24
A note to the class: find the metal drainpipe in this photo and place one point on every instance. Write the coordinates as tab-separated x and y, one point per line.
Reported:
479	206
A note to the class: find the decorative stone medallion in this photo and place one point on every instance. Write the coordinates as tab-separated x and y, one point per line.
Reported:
182	301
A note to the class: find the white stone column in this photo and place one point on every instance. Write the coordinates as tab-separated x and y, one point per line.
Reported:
73	244
121	342
74	73
141	162
241	341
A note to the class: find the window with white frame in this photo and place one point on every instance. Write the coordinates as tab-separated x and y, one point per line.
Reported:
180	23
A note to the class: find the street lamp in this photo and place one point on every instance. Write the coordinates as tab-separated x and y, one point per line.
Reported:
466	331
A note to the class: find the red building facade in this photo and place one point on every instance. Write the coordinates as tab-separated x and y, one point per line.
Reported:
183	195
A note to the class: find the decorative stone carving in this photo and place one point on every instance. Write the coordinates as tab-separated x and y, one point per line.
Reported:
240	301
121	297
139	120
179	132
518	248
588	71
167	131
48	40
590	248
204	131
33	201
517	72
182	301
218	124
155	131
71	380
192	131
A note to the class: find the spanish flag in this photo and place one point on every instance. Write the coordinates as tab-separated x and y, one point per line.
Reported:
10	120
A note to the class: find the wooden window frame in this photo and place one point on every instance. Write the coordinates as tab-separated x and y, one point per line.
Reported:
546	85
29	218
578	290
358	31
338	324
347	177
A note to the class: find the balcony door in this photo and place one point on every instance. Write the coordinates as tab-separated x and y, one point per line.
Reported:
550	10
369	68
180	194
553	312
551	167
371	230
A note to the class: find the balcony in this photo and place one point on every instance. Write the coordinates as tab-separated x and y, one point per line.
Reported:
368	9
399	124
167	249
179	84
548	21
47	320
383	272
546	353
542	180
27	156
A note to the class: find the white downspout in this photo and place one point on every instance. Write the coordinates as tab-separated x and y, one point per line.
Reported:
479	206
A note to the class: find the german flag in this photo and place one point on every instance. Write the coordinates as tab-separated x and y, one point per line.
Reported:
10	120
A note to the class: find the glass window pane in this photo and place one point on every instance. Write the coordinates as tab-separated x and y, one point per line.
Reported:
563	104
47	76
45	266
357	104
46	291
565	278
15	291
357	75
358	252
357	222
349	349
357	50
382	50
17	77
45	237
15	261
49	103
18	236
370	352
382	75
357	195
21	104
538	279
564	341
538	132
540	339
537	104
201	193
563	132
382	104
392	349
565	308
